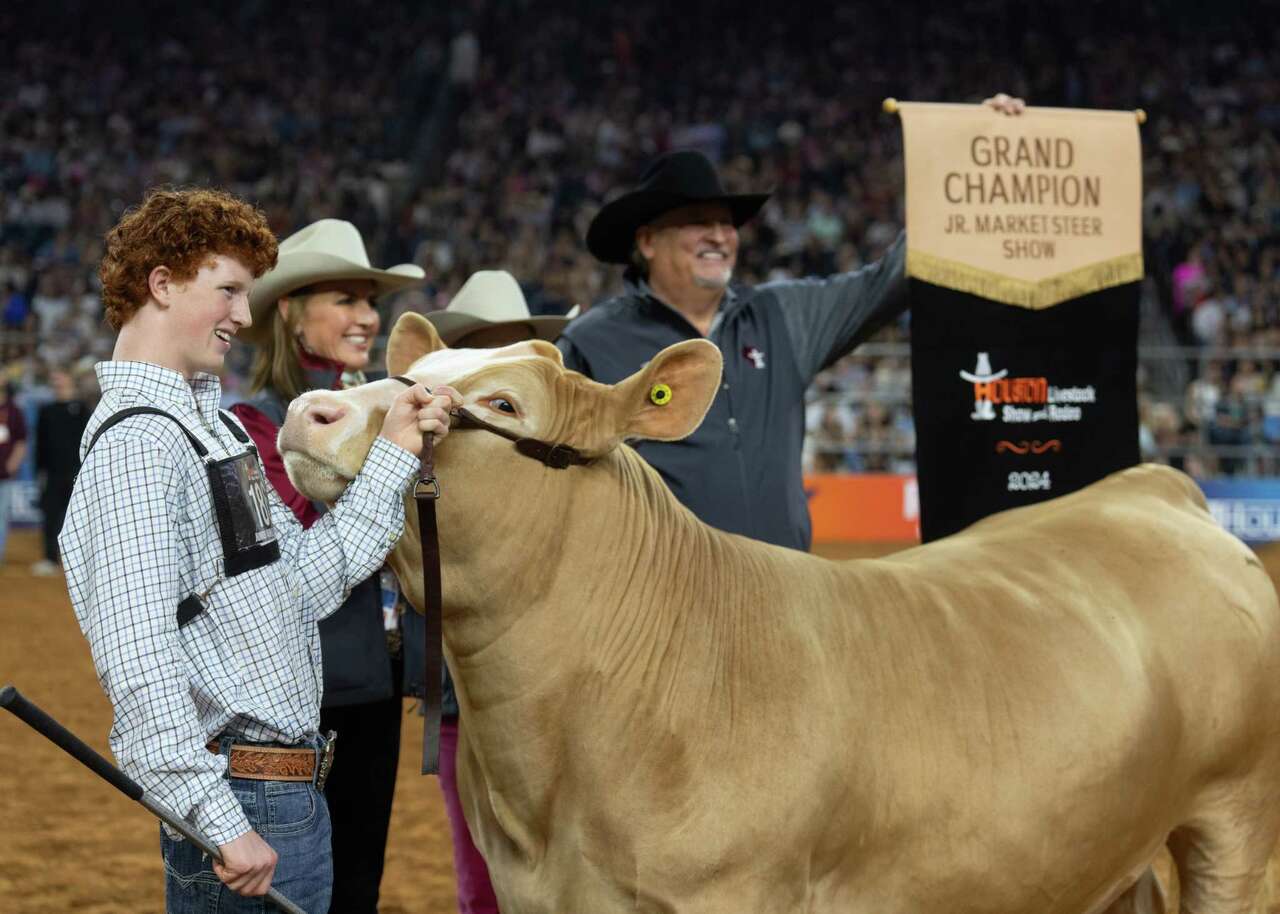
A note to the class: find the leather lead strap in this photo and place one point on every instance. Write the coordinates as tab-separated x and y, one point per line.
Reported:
425	494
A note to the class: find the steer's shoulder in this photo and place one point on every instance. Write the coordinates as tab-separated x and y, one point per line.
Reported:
1148	482
1147	489
1131	506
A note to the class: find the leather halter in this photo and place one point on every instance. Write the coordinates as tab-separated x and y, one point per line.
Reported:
425	493
556	456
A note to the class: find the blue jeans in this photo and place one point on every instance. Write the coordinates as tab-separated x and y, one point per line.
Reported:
6	506
293	818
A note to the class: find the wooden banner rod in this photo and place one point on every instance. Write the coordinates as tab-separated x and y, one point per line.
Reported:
890	106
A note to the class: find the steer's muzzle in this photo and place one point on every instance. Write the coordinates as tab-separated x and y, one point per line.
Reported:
317	423
318	412
317	408
321	443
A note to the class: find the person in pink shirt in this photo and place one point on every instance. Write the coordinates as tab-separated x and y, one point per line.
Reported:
13	449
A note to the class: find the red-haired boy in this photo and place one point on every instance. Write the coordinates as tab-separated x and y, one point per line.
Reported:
197	590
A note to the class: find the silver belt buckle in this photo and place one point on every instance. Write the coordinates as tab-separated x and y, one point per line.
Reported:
326	759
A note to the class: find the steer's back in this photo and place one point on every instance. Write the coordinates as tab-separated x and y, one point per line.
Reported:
1064	682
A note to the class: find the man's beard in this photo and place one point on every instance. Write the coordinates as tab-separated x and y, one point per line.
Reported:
705	282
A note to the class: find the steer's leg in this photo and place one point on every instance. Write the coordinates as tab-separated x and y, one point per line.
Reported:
1222	862
1146	896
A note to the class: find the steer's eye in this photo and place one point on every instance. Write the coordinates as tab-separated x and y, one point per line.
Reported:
505	406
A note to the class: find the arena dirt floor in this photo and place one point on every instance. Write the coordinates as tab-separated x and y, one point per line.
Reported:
70	843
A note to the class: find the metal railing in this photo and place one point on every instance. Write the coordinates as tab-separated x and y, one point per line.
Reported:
1168	369
1196	441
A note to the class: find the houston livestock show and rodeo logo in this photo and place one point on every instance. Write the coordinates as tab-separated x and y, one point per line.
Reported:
997	397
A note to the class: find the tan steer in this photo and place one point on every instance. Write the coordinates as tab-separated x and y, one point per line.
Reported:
659	717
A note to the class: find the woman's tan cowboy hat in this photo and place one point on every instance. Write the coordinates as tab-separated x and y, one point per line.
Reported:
325	250
672	180
488	299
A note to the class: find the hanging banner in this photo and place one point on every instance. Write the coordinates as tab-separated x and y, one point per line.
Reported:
1030	210
1025	260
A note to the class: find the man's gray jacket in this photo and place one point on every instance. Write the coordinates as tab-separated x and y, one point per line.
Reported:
740	470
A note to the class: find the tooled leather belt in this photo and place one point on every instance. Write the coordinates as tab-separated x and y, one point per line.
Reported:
277	763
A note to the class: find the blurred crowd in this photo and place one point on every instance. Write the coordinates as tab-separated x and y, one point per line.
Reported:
485	134
306	121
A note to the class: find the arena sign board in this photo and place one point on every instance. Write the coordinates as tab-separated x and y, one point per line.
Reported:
1249	508
863	507
1024	261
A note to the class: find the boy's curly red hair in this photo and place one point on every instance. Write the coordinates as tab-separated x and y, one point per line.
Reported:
182	229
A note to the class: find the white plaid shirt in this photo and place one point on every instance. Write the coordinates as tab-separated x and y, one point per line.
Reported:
141	535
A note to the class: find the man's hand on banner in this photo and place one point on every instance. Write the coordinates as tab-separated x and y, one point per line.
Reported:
1005	104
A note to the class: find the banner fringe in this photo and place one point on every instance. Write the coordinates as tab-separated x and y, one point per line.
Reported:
1021	293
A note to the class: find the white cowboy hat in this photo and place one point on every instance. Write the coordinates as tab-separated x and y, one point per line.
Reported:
324	250
487	299
982	373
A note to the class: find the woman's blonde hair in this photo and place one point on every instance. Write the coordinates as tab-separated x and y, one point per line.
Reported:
278	362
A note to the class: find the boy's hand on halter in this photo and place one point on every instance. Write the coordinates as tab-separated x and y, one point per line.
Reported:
415	413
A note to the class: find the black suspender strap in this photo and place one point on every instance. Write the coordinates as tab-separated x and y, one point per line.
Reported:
203	451
235	429
190	608
116	418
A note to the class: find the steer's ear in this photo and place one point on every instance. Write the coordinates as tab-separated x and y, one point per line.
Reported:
540	348
547	351
412	337
668	398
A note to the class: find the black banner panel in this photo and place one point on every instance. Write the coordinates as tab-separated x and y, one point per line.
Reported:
1016	406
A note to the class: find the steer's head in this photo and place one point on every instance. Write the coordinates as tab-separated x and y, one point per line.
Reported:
523	388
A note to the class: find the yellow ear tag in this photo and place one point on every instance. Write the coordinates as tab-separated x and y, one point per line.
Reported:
660	394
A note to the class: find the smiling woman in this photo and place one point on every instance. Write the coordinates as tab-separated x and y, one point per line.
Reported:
338	320
314	322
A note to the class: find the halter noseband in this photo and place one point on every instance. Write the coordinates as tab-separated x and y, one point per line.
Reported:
556	456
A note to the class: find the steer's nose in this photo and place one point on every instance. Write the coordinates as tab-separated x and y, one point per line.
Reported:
318	412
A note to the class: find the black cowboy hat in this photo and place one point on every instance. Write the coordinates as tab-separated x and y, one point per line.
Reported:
672	180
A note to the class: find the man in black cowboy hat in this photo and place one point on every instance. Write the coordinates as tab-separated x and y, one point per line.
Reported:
678	232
